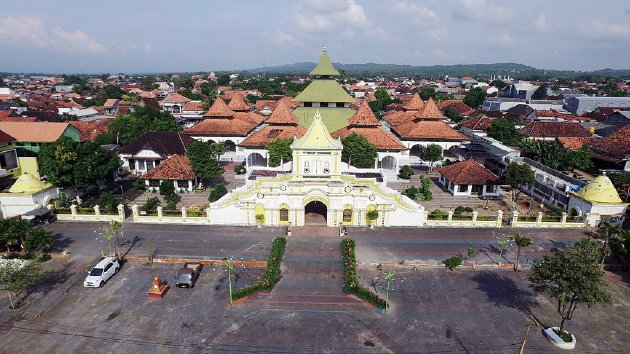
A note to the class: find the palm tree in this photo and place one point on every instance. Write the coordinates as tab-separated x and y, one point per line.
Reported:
521	242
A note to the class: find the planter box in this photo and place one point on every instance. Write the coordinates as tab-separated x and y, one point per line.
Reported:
556	340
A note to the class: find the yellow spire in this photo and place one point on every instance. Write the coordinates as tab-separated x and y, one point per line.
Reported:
599	190
317	137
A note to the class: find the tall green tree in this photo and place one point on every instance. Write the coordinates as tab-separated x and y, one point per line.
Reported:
521	242
129	127
475	97
358	151
504	131
15	278
571	275
57	161
7	236
223	79
203	160
431	153
279	151
20	229
540	93
517	176
38	238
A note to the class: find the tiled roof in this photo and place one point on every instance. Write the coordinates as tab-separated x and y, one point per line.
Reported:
415	103
261	104
479	122
574	143
364	116
238	104
396	118
425	129
468	172
175	97
543	129
163	143
35	132
616	144
6	138
271	133
110	102
193	106
378	137
17	119
176	167
219	109
458	106
89	130
238	125
282	114
430	111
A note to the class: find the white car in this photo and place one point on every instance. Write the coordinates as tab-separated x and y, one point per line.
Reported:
101	272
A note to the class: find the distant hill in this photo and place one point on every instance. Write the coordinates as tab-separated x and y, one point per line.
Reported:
435	71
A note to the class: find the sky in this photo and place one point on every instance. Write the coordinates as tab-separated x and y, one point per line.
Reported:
138	36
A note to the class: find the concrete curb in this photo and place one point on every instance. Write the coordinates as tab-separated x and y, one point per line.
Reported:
435	265
254	264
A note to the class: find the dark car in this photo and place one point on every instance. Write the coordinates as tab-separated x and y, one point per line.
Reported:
40	216
187	275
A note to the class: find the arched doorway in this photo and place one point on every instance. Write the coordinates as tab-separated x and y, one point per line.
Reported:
388	163
256	159
416	150
229	145
315	213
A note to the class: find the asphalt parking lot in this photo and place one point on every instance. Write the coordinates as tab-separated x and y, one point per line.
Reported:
433	310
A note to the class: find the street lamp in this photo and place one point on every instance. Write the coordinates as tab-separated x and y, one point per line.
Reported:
389	277
229	266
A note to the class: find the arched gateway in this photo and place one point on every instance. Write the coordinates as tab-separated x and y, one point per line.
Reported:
315	213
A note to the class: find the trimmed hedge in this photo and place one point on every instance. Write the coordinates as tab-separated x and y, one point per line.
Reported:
271	276
351	283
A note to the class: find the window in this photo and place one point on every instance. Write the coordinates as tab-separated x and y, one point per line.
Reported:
340	105
108	266
154	183
347	215
284	214
308	104
323	104
463	188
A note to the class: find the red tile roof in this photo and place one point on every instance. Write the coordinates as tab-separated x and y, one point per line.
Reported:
616	144
89	130
270	133
238	104
18	119
458	106
415	103
364	116
378	137
193	106
479	122
176	167
574	143
544	129
430	111
110	102
282	114
6	138
240	124
219	109
424	129
175	97
468	172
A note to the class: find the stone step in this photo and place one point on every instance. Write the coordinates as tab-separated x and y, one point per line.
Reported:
323	231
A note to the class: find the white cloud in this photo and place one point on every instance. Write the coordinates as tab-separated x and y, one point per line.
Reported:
279	38
30	32
482	12
415	13
325	16
504	40
604	31
540	23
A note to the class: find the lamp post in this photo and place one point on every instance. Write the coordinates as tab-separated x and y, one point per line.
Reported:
229	266
389	277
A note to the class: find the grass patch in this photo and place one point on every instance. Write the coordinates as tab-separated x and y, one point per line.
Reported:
351	282
271	276
564	335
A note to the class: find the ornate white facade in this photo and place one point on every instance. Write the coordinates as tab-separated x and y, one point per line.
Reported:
316	184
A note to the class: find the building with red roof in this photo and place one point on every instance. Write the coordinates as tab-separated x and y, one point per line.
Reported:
468	178
176	169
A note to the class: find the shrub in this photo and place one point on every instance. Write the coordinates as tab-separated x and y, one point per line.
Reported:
107	201
271	275
411	192
217	192
405	172
426	182
139	184
167	188
454	262
260	217
351	282
372	215
460	209
240	170
170	205
427	195
468	209
151	204
437	212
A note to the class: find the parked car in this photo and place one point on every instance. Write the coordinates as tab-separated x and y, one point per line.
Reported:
102	271
188	274
41	216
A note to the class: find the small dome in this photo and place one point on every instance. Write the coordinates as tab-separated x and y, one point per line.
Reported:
599	190
27	183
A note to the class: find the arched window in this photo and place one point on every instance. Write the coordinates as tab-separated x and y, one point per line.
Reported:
284	214
347	215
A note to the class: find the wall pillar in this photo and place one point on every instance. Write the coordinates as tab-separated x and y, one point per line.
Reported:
474	217
160	212
563	220
97	212
450	217
514	218
121	212
539	219
499	218
208	216
184	213
134	212
73	211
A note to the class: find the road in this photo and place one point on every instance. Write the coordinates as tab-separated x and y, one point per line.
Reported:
250	243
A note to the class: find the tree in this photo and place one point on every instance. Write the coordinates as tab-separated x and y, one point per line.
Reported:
223	79
572	276
540	93
279	152
112	91
371	215
38	238
500	84
521	242
453	262
218	149
20	228
431	153
203	160
127	128
358	151
518	176
475	97
217	192
15	278
6	234
608	231
472	253
57	161
504	131
405	172
581	158
452	114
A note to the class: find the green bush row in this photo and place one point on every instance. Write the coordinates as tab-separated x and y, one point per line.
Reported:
271	276
351	282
